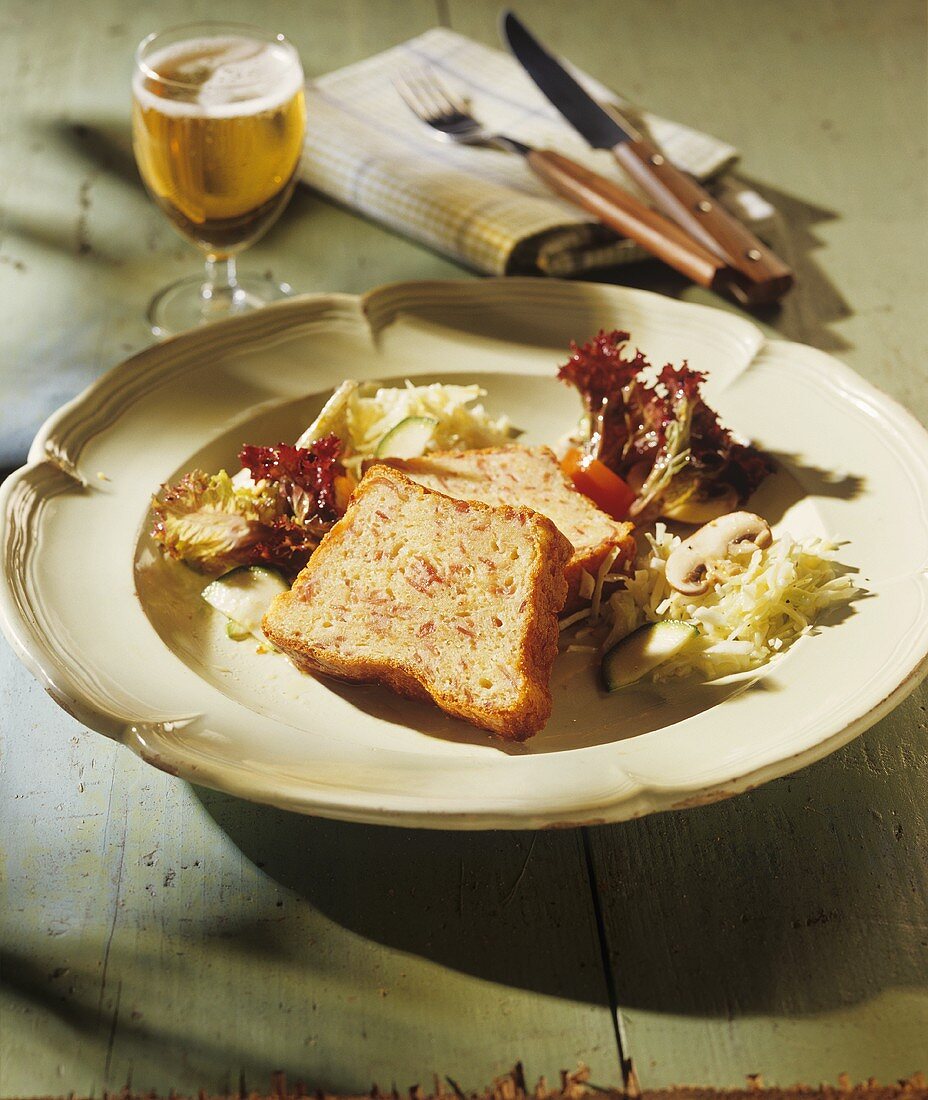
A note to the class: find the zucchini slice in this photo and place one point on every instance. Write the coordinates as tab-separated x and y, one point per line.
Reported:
408	439
642	651
243	596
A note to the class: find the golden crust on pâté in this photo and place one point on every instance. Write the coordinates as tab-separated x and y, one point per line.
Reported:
434	597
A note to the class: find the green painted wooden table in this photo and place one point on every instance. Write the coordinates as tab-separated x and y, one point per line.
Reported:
179	938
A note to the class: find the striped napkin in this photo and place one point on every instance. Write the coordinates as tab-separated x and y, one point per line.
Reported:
485	208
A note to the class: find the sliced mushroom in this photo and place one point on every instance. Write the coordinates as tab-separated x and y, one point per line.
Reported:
693	566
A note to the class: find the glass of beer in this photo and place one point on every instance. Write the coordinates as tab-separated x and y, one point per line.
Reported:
218	117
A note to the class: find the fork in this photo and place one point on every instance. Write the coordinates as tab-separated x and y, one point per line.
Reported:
451	120
428	99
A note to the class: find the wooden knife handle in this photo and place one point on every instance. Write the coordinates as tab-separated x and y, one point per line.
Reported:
610	204
761	275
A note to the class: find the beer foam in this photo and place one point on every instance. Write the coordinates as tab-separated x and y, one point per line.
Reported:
224	77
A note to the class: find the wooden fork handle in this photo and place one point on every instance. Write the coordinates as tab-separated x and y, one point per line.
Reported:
620	210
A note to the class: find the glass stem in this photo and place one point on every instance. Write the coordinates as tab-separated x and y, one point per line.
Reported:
221	292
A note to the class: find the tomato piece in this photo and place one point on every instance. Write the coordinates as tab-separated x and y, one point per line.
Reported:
595	480
345	485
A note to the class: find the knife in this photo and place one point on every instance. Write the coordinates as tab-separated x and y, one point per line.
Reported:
610	204
751	271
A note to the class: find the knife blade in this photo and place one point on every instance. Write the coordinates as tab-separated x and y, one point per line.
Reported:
757	274
601	130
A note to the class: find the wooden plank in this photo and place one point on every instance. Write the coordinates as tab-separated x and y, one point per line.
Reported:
826	103
175	937
785	932
781	933
81	242
83	248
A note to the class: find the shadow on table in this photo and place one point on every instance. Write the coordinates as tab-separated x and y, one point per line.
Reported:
805	896
102	145
512	908
92	149
816	304
105	143
807	313
800	897
69	995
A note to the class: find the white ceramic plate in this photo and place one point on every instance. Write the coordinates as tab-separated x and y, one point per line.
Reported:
121	640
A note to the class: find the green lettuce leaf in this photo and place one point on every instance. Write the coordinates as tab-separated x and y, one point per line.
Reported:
211	523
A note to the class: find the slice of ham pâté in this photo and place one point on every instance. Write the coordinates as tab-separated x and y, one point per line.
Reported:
530	477
433	597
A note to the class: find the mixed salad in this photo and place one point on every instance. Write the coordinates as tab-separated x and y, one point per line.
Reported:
647	447
648	444
274	511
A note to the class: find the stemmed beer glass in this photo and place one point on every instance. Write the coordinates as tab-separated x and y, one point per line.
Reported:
218	117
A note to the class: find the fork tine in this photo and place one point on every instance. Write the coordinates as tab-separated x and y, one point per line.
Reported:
408	94
410	88
428	94
452	104
429	100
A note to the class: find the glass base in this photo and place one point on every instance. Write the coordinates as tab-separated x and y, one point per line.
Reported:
191	302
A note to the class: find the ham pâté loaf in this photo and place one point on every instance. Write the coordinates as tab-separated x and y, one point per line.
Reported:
530	477
435	597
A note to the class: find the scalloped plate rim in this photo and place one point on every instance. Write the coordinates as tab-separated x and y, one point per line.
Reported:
641	799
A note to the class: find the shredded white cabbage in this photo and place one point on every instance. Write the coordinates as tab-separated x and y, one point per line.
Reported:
768	599
587	585
361	415
605	565
571	620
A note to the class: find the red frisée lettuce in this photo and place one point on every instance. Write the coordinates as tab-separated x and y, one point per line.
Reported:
214	524
660	436
306	477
